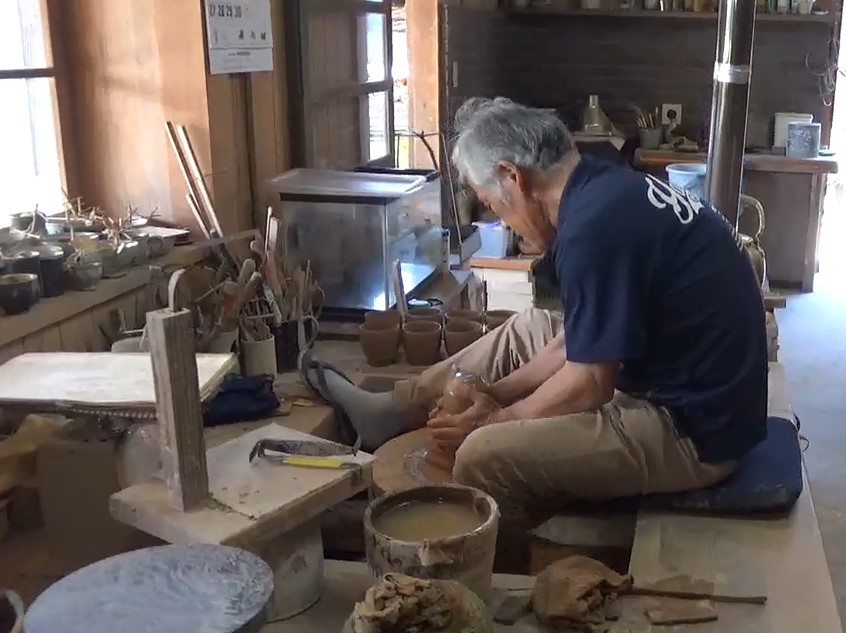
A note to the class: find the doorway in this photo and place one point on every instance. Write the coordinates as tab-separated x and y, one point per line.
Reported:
831	254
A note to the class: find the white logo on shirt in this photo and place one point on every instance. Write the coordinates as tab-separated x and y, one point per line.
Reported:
684	204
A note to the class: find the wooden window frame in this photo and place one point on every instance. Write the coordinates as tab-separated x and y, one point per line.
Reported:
52	22
304	100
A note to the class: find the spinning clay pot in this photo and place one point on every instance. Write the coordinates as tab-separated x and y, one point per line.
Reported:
459	333
380	342
422	342
453	401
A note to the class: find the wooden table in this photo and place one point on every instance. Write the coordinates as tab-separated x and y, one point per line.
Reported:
792	192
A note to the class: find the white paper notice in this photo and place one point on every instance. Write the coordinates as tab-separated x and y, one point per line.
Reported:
240	38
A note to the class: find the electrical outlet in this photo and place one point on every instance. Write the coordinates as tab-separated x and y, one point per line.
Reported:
671	113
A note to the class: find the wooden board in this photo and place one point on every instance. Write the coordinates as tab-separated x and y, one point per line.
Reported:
95	380
781	559
249	501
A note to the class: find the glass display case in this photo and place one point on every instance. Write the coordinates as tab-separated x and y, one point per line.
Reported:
353	225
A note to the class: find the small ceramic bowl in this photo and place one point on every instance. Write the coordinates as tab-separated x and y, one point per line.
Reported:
425	314
495	318
19	292
467	315
380	342
459	333
85	275
422	342
388	317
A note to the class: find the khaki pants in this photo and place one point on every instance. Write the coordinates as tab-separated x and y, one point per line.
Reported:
627	447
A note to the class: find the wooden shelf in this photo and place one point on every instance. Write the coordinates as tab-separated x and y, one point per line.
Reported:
678	15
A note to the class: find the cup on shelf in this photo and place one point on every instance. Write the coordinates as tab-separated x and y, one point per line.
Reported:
422	342
459	333
380	342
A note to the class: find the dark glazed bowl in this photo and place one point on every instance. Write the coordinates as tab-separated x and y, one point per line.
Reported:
18	292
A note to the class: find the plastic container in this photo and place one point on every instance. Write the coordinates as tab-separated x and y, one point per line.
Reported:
803	140
494	238
782	120
688	176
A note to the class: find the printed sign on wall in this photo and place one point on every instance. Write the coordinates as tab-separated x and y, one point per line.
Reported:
239	34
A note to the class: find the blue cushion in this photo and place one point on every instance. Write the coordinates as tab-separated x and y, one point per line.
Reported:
768	480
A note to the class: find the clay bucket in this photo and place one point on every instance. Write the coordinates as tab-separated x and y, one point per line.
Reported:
467	558
385	317
380	342
459	333
422	342
466	315
425	314
495	318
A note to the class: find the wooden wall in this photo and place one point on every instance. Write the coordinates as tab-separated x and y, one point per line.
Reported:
134	64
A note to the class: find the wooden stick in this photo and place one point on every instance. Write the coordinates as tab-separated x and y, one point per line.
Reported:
178	407
194	169
183	167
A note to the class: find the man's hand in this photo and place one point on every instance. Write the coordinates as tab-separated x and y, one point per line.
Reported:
450	430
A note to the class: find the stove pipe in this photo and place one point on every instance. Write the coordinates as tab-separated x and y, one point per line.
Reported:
729	104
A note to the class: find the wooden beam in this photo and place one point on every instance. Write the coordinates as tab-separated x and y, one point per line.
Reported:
26	73
178	407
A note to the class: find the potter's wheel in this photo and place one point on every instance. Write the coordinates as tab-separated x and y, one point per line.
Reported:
401	463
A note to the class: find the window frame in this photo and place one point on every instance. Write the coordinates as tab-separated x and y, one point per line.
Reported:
52	20
305	100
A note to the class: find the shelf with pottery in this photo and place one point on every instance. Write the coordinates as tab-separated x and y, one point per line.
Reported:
556	9
48	314
658	158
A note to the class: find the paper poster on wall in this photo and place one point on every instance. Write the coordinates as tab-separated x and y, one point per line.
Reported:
240	37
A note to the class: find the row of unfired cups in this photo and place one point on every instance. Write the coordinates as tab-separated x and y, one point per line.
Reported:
421	334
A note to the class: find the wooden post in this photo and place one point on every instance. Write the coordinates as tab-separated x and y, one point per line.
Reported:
178	406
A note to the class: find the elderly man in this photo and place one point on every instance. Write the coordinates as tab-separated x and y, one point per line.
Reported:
656	380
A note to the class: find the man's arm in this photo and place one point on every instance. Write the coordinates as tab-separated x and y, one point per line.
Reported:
575	388
523	381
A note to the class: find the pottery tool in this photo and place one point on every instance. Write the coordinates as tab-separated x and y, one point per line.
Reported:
305	453
399	290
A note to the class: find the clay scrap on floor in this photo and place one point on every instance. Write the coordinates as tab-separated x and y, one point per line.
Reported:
578	592
667	611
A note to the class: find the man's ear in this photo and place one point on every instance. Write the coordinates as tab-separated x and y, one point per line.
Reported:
510	173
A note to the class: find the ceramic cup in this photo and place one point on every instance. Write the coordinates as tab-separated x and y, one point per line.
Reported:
379	342
495	318
259	357
18	292
425	314
387	317
466	315
459	333
422	342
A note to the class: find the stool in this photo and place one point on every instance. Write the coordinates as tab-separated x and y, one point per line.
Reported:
168	589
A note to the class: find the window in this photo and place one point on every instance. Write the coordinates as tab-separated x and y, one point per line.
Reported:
30	167
341	68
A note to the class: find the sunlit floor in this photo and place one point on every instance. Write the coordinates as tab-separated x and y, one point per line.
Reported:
813	349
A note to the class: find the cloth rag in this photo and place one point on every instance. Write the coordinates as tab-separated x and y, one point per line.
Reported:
575	592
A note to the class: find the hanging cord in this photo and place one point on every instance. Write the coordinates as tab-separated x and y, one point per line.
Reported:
828	72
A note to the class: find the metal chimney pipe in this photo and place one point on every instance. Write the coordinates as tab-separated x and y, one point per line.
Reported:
729	105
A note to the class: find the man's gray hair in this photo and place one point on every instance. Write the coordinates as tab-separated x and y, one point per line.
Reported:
491	131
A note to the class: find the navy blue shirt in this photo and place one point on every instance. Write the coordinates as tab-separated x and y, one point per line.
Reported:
654	278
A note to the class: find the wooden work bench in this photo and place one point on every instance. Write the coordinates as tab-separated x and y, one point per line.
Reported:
792	192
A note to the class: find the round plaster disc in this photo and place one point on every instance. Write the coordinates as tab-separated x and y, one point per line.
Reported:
168	589
401	464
